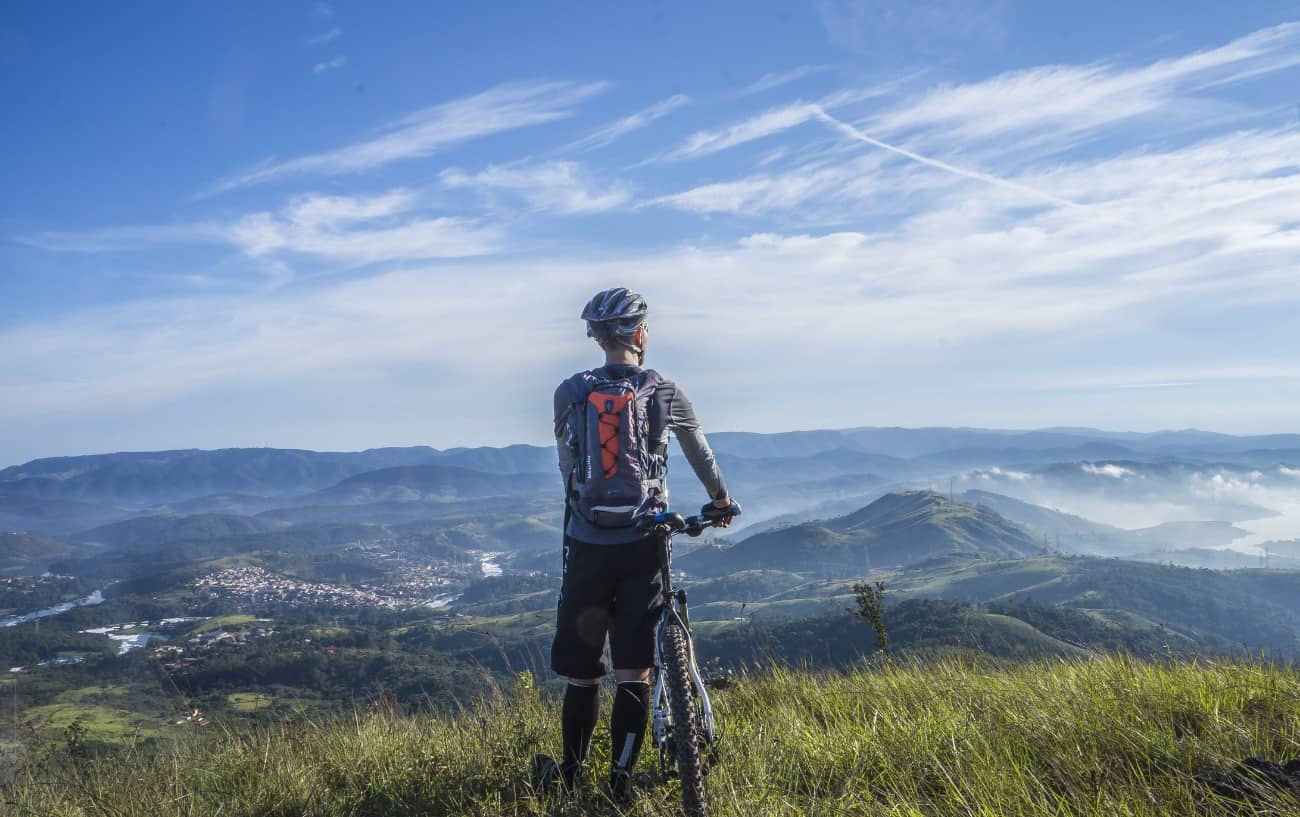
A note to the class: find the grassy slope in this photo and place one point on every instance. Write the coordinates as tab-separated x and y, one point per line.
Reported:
1101	737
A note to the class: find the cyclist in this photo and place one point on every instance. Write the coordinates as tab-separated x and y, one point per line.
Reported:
611	583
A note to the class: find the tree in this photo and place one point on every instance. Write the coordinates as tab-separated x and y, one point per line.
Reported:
870	605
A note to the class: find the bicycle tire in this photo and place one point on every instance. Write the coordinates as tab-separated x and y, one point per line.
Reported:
687	737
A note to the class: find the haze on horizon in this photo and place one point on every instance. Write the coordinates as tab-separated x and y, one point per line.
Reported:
306	226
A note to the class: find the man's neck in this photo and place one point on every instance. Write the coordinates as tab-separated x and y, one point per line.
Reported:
621	358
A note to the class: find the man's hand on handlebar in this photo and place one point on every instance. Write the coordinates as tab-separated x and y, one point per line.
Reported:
721	511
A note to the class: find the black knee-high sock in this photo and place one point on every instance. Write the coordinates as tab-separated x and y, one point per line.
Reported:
627	723
577	722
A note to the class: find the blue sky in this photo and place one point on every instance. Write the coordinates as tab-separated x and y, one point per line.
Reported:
336	226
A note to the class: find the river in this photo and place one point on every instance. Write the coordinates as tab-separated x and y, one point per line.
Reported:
13	621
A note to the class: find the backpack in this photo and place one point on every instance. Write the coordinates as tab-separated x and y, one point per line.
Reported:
619	464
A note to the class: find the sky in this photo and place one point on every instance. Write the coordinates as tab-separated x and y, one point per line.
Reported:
338	226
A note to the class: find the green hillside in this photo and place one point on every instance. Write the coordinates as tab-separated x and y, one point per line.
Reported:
900	528
26	553
1062	737
166	529
1223	610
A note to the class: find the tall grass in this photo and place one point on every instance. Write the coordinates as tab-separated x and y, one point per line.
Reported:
1106	736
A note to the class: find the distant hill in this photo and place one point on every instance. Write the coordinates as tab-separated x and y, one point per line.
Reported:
416	483
54	516
784	472
834	462
238	504
1189	534
963	458
1219	609
784	479
23	553
512	459
783	444
410	511
898	529
743	586
238	478
170	528
151	478
1216	559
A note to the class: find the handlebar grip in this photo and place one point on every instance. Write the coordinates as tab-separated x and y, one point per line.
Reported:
713	514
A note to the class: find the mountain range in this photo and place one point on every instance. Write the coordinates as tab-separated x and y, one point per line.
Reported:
805	491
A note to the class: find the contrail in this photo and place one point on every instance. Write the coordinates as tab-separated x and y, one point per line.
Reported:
852	132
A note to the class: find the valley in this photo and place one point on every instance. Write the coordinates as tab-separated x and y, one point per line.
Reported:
256	585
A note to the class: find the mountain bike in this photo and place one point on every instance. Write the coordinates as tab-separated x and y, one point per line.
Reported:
683	725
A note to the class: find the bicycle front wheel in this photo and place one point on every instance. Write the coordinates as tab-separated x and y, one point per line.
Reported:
688	739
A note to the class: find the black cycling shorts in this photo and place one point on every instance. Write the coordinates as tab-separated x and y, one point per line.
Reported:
607	589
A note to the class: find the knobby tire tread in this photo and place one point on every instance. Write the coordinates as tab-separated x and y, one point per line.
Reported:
687	739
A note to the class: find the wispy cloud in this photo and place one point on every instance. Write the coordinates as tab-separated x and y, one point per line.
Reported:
1001	126
768	123
1183	229
1041	110
775	80
1057	103
807	190
503	108
329	65
325	37
557	187
619	128
362	230
352	230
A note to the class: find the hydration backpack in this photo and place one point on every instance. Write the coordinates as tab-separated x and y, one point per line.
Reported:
619	464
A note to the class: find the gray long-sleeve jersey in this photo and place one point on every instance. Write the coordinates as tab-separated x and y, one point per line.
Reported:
674	413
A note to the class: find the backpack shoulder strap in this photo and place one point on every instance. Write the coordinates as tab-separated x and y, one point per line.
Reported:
579	386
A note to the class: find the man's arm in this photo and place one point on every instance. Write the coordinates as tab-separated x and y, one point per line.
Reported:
686	428
564	450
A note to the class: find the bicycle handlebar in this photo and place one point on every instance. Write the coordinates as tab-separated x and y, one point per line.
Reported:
674	523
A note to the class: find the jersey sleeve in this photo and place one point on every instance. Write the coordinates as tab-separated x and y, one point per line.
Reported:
686	428
563	450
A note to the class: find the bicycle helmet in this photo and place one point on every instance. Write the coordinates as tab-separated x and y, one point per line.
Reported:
615	315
